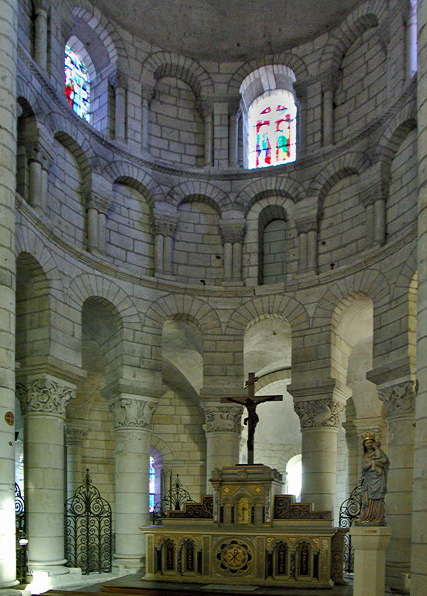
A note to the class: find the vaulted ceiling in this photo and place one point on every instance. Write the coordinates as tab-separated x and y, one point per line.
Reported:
226	29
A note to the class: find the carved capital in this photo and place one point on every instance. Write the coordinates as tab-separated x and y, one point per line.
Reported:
165	227
319	412
232	231
98	202
44	396
331	80
223	419
40	152
304	226
132	413
399	399
119	80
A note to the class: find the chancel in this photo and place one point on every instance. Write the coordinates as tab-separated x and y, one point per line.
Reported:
192	193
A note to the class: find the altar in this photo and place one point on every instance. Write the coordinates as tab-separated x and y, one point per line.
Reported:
246	533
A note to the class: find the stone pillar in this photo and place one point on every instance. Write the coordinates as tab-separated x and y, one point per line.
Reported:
419	514
147	95
164	233
132	425
223	425
8	40
379	228
233	132
307	244
399	400
373	197
75	433
40	35
39	160
96	222
370	545
119	83
329	84
208	118
319	409
301	101
370	223
232	232
43	400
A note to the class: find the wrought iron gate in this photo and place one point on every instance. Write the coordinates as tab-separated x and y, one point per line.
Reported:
88	533
21	536
173	500
350	511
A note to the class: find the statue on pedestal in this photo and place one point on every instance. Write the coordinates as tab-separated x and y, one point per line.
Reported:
375	464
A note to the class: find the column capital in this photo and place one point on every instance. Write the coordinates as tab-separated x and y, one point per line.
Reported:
232	231
98	202
44	395
306	225
119	80
132	413
164	225
399	399
234	105
331	79
41	152
223	419
374	426
319	412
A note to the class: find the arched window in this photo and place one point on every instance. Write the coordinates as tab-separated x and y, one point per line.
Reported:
294	476
77	84
152	485
272	129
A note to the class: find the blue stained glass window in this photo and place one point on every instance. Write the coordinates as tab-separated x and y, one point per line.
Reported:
77	84
152	485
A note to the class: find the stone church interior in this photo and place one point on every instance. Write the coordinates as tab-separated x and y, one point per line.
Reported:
192	192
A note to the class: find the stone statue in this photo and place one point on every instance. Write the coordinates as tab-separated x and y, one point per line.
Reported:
375	464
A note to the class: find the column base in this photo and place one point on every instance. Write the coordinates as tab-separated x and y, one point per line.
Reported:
398	578
125	564
370	544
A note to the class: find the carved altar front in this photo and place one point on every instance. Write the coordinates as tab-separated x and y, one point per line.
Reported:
246	533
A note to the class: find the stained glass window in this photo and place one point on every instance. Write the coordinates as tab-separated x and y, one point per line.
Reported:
272	130
77	84
152	485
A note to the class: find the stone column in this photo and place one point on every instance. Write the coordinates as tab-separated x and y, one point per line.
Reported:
208	117
372	196
39	160
146	96
43	400
164	233
8	40
132	425
40	34
307	244
329	84
119	83
75	433
223	425
370	223
301	101
319	409
399	400
96	221
233	132
419	514
232	232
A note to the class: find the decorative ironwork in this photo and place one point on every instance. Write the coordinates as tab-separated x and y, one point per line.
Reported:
173	500
349	512
21	536
285	508
192	510
88	534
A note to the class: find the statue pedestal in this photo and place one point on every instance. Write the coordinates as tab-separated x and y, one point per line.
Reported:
370	545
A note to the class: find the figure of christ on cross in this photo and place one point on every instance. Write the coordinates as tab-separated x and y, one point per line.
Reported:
250	402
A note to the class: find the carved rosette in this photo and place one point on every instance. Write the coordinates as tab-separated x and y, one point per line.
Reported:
399	399
44	396
132	413
221	419
319	412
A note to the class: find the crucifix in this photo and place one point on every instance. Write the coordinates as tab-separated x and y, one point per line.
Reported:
250	402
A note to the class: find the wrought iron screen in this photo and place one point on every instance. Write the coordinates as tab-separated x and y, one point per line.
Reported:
88	530
173	500
21	536
349	512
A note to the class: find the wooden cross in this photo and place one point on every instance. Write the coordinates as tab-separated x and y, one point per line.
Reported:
250	402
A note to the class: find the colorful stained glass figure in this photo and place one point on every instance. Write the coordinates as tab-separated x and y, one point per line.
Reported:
77	84
272	130
152	485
